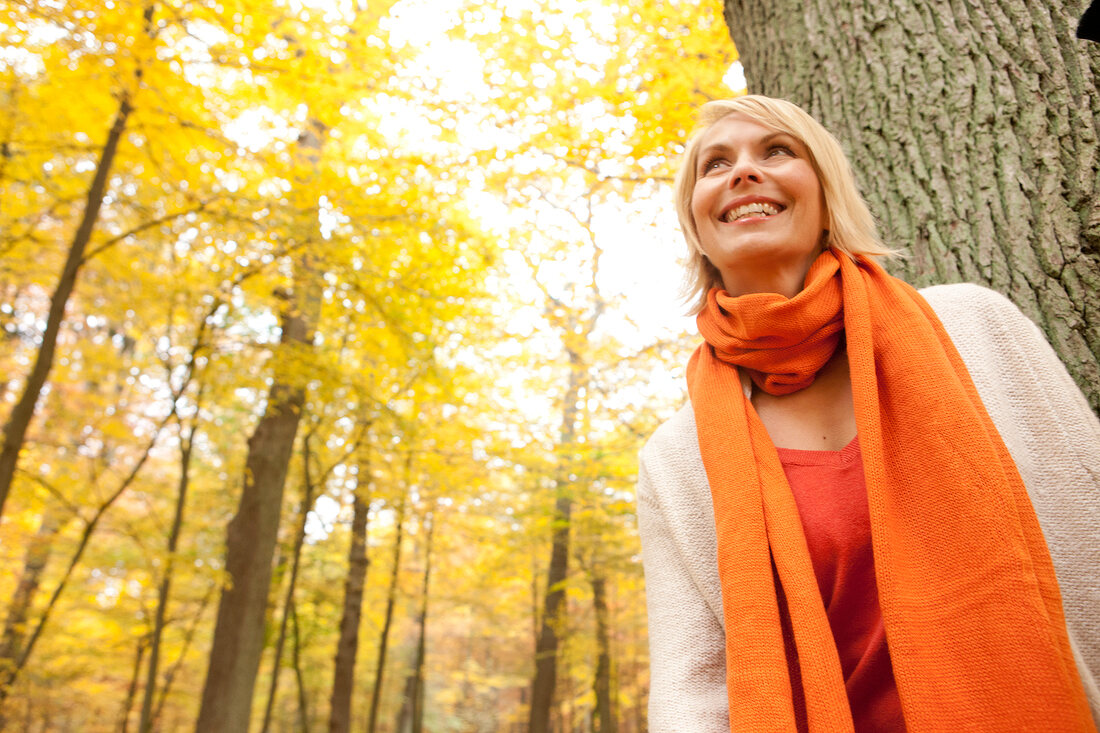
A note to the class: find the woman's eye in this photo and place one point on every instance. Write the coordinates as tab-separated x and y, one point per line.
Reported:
779	150
713	165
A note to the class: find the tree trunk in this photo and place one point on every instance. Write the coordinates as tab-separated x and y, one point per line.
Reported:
417	699
288	603
403	722
15	430
347	647
188	637
391	597
605	711
973	130
131	690
296	658
553	616
186	444
250	540
250	545
34	562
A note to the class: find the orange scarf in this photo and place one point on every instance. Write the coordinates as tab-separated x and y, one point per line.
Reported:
969	599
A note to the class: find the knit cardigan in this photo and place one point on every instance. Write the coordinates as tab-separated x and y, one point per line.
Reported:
1045	422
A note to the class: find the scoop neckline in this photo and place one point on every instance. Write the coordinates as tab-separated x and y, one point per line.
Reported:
804	457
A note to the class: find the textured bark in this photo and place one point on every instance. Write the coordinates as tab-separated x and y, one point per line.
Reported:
348	645
972	128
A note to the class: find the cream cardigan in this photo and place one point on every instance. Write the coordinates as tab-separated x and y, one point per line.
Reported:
1053	437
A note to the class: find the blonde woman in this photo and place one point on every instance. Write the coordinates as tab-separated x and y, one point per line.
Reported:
879	511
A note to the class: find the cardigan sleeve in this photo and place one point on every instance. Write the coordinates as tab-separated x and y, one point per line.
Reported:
686	640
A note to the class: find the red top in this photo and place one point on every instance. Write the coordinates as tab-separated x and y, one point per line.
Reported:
831	493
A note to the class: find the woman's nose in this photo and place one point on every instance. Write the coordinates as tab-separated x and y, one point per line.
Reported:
744	170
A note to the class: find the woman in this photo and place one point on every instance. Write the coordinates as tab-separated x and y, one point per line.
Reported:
836	531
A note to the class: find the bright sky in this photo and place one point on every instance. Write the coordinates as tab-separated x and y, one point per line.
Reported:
642	247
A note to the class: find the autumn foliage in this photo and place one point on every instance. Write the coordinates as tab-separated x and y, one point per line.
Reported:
297	219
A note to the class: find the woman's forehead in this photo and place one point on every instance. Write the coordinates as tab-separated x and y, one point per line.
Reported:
736	128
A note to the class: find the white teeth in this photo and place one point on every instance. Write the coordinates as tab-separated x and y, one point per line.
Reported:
746	209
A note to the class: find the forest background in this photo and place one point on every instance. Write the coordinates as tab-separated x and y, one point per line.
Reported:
331	330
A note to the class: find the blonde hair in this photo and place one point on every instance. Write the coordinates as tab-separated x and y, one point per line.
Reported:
850	227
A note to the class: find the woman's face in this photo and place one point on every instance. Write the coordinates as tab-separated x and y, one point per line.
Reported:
757	205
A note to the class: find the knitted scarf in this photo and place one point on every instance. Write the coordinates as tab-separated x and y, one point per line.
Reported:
969	599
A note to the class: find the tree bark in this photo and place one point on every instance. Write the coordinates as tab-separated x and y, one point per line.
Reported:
972	128
391	597
347	647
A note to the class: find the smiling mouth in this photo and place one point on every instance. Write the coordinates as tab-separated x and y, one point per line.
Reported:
751	211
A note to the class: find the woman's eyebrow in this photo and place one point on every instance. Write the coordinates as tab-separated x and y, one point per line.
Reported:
777	134
722	146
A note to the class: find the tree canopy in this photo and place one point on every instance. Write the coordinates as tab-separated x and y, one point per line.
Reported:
390	224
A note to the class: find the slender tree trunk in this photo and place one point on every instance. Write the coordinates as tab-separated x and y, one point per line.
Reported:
605	710
303	698
403	723
422	623
391	597
295	562
131	690
348	645
15	430
641	690
973	130
186	443
553	616
34	563
188	637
